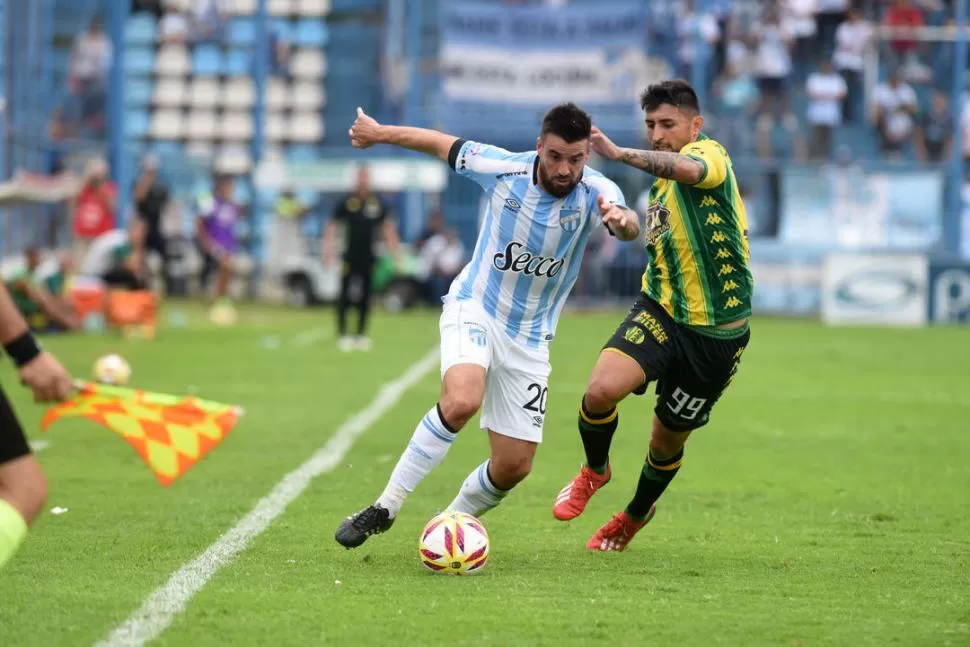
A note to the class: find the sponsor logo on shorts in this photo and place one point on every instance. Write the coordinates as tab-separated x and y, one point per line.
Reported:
537	421
634	335
650	324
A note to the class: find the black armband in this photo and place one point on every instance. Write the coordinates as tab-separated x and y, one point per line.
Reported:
23	349
453	153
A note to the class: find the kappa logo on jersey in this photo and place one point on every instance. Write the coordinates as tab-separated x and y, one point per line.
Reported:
569	219
512	204
658	222
516	258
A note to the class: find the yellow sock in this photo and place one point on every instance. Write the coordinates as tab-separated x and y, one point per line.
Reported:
13	529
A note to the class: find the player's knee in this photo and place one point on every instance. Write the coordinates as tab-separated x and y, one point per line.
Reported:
509	470
458	407
601	395
26	489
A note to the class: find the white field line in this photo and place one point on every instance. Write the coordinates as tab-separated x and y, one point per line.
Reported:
39	445
161	607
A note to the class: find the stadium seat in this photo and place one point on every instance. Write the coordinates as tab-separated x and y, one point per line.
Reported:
273	152
234	160
274	127
201	125
236	63
242	32
199	150
312	8
138	92
239	92
236	126
172	60
205	92
280	7
167	124
206	60
283	29
136	123
307	96
140	30
242	7
305	127
278	94
139	61
169	92
310	33
308	64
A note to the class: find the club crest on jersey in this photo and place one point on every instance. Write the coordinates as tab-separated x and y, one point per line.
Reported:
658	222
569	219
516	258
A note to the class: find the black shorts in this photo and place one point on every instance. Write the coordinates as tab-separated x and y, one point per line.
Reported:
691	369
13	443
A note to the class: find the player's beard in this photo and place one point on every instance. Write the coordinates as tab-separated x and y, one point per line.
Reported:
555	189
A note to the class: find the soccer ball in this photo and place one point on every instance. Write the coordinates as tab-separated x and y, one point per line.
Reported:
112	369
223	314
454	543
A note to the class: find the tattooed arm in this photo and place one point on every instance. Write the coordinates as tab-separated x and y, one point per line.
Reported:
673	166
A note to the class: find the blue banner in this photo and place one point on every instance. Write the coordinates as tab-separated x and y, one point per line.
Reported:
850	208
503	66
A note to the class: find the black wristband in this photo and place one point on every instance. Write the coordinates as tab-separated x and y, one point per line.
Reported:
23	349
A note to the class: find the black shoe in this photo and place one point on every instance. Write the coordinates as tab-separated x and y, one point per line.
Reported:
355	529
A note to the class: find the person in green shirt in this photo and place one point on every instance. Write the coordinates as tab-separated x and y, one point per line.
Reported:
38	293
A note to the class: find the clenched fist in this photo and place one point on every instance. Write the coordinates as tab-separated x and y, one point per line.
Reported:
45	376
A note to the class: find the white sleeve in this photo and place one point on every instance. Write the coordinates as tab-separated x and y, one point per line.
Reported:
485	163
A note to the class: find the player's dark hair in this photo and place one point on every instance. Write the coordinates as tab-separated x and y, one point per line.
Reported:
569	121
675	92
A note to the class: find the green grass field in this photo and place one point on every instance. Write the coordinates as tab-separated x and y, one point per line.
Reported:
826	503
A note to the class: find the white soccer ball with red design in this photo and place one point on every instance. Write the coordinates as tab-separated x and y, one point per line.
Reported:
112	369
454	543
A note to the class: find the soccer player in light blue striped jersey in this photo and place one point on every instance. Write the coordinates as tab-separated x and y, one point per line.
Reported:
501	312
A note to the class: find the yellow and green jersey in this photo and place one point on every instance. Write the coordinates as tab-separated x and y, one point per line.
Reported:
697	243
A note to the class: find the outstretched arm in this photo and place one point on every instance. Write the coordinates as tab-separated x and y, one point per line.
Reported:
366	132
672	166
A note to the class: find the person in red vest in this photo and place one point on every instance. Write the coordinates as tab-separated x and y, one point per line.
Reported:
94	209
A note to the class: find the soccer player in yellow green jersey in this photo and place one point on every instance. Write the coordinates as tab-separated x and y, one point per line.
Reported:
688	328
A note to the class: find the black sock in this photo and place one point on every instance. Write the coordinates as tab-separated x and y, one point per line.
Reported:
656	476
596	430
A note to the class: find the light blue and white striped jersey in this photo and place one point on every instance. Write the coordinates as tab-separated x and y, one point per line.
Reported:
531	243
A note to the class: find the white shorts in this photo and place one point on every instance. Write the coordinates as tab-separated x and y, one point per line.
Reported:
516	379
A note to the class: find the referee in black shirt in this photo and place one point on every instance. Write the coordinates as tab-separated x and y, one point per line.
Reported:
151	199
362	215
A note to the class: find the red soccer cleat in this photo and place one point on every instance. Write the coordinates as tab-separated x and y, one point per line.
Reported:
618	532
572	499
